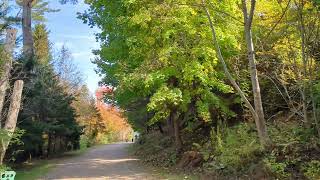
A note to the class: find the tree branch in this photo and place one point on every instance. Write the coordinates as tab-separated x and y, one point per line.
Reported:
224	65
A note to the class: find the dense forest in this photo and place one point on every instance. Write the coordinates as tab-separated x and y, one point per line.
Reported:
228	87
46	108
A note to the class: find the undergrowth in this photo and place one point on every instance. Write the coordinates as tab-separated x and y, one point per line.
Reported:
157	150
234	152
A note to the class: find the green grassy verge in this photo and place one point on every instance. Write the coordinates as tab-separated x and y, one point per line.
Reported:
39	168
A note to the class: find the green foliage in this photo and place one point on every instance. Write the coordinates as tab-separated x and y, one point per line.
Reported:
14	139
4	168
47	117
39	9
41	44
7	19
160	55
47	112
277	168
312	169
85	142
231	149
294	153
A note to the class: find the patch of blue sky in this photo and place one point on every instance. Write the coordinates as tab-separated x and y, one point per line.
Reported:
66	29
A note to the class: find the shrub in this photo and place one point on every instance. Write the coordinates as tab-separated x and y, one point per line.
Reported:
295	154
4	168
237	147
156	149
312	169
231	149
277	169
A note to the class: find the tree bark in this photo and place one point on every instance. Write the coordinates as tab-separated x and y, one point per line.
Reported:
4	81
2	151
160	128
49	145
263	136
170	126
260	121
177	136
305	60
12	117
28	50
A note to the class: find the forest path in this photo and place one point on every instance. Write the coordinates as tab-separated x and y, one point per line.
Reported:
101	163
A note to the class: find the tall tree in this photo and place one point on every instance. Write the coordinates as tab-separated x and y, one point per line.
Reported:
155	59
41	44
248	19
28	50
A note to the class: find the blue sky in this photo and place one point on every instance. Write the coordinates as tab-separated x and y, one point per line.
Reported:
66	29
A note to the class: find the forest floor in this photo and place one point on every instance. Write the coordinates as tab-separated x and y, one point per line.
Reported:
102	162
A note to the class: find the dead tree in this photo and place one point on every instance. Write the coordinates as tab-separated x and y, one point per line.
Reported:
10	121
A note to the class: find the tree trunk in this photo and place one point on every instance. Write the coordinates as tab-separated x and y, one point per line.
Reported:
54	140
260	121
14	106
12	117
2	151
170	126
177	136
160	128
263	137
27	30
4	81
305	60
49	145
40	154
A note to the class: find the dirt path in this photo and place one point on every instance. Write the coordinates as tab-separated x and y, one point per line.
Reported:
104	162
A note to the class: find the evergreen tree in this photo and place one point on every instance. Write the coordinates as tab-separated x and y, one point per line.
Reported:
48	117
41	44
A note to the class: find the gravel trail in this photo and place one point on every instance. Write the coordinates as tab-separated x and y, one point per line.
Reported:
101	163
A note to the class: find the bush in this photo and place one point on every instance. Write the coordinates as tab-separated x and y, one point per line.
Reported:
84	142
231	149
295	154
312	169
4	168
156	149
277	169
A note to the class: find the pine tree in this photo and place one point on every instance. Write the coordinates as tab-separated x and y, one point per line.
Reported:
41	44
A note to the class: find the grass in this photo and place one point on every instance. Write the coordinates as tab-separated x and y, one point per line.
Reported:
35	170
39	168
177	175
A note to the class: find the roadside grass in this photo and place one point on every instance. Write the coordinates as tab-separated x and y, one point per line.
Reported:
39	168
173	175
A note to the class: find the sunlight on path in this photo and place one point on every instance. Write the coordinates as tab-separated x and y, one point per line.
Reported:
104	162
